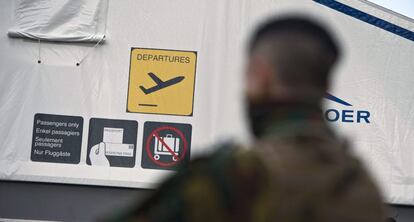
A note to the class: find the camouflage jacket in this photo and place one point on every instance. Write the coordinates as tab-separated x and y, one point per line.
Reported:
299	171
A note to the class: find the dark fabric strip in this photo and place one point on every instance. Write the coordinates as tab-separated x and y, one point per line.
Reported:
370	19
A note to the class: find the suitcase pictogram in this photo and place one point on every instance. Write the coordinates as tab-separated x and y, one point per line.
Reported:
160	148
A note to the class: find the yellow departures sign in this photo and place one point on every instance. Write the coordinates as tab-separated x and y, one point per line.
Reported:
162	81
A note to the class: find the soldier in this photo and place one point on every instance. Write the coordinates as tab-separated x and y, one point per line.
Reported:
298	170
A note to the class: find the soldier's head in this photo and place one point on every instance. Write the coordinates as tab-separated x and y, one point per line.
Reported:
290	59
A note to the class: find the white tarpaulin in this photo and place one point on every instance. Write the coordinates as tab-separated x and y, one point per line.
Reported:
168	83
63	20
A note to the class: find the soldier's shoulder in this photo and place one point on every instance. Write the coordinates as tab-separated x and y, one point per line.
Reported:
228	154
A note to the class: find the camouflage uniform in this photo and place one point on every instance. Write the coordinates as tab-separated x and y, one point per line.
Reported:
298	171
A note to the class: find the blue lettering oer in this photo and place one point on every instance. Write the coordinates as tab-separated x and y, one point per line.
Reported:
347	116
363	115
336	115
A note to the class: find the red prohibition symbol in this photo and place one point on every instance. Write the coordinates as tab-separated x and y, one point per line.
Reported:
171	151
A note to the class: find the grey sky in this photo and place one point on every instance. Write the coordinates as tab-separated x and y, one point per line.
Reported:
405	7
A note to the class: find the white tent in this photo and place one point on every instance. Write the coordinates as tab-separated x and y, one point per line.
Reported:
102	122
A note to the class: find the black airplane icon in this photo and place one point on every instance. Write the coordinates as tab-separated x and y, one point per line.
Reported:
160	84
